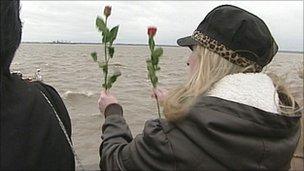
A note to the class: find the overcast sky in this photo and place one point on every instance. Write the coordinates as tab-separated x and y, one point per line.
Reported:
75	20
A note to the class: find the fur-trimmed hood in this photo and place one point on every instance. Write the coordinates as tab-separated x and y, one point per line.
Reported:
252	89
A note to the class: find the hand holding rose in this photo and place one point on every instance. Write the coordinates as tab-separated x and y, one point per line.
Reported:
105	99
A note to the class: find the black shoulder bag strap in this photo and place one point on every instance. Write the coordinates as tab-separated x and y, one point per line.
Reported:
42	91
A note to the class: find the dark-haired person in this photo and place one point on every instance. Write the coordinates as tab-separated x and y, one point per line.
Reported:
32	137
227	116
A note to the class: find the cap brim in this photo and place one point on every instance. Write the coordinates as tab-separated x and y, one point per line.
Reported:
187	41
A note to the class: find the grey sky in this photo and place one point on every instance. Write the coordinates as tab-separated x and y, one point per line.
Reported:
75	20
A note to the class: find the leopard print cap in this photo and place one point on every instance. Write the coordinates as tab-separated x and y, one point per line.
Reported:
223	51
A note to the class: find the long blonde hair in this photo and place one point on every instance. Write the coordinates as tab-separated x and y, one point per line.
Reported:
210	68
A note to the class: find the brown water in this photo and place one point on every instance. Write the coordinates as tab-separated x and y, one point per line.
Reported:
70	69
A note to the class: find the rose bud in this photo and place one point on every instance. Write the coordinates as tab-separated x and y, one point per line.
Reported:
107	11
152	31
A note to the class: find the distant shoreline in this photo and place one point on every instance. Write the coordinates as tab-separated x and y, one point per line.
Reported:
287	51
125	44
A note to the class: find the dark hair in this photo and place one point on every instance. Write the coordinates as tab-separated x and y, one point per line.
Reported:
10	32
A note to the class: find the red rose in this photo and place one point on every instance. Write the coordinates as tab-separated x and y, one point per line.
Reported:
152	31
107	11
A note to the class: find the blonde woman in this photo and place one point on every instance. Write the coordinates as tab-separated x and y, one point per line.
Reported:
227	116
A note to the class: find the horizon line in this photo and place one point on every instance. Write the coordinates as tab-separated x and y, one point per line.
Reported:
130	44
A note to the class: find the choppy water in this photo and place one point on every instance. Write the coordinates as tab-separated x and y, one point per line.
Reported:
70	69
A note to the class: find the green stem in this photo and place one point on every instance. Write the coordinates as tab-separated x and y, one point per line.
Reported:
158	108
151	39
157	103
106	58
151	42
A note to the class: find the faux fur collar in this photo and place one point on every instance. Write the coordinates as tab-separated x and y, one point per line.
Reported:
253	89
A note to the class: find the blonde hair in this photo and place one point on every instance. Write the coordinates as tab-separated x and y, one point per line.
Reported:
210	68
287	103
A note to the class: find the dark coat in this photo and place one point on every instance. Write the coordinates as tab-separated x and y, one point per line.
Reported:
31	137
216	134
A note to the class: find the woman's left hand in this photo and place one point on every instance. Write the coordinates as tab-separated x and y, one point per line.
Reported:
105	99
